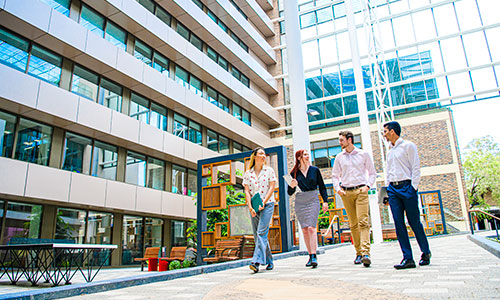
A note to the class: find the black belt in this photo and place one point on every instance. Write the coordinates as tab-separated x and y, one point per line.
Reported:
353	187
402	182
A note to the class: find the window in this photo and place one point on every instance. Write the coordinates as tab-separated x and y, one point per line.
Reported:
104	159
179	180
61	6
22	220
178	233
7	130
237	148
45	65
245	117
323	153
116	36
110	95
223	63
164	16
223	145
156	173
223	103
153	229
192	183
70	225
33	142
213	140
212	54
161	64
181	76
158	116
212	95
99	229
132	239
135	172
148	4
183	31
198	3
195	85
139	108
84	83
245	80
143	52
13	50
195	135
180	126
236	73
196	41
92	20
237	111
77	153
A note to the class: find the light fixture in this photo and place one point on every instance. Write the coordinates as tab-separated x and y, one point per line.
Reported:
312	112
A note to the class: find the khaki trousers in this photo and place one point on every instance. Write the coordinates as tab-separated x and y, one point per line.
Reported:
357	208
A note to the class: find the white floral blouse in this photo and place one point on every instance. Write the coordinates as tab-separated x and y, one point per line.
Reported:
259	184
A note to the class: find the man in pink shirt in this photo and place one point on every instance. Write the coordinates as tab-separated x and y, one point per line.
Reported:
353	175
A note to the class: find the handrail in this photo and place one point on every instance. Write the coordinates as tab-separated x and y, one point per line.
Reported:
482	211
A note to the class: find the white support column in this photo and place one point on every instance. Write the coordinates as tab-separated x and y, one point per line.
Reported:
363	115
296	80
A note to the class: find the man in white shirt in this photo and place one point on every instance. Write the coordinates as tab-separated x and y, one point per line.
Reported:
402	179
353	175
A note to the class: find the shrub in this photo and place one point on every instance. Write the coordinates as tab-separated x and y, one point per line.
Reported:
174	265
188	263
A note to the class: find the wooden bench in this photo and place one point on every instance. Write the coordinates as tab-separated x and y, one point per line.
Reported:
231	249
151	252
176	253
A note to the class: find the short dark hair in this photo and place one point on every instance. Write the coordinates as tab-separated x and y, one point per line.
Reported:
394	125
348	135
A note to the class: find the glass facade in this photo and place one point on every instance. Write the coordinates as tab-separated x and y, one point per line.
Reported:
7	131
135	172
77	153
104	160
132	239
436	53
156	174
21	221
33	142
70	225
179	180
153	229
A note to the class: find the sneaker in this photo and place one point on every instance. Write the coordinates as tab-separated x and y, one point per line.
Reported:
357	260
366	261
314	261
270	267
309	263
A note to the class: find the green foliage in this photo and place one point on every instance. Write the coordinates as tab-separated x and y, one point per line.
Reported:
323	223
482	170
221	215
175	265
188	263
191	233
63	229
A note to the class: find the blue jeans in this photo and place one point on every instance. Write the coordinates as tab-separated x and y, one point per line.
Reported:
403	198
260	225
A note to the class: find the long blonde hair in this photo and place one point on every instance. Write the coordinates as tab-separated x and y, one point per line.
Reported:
252	157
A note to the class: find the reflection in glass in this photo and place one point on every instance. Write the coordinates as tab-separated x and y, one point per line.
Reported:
180	126
104	160
178	233
70	224
139	108
99	230
135	172
192	186
116	36
179	180
153	229
45	65
158	116
7	127
212	140
22	220
110	95
61	6
156	173
132	239
92	20
33	142
143	52
13	50
77	153
84	83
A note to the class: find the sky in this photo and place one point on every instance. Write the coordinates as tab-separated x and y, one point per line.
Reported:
476	119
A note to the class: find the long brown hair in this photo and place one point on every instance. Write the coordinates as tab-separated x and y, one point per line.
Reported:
252	157
298	157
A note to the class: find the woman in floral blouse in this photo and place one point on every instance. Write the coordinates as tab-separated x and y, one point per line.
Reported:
260	178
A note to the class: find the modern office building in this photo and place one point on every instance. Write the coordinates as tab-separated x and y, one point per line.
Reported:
107	105
433	54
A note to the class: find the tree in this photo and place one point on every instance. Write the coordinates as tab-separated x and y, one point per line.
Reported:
482	170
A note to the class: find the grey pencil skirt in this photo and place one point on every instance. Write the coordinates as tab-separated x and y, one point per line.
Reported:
307	208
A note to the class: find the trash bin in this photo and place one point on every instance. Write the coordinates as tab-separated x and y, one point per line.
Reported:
152	264
163	265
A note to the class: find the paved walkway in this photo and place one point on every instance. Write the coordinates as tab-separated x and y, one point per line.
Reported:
459	270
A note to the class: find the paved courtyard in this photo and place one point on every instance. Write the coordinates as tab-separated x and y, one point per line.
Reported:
459	270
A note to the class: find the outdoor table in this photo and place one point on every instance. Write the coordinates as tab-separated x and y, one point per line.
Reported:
53	262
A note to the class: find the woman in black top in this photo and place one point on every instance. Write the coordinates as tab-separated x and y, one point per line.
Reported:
309	180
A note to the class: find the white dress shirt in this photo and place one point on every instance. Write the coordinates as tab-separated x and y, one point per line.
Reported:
403	163
260	184
353	169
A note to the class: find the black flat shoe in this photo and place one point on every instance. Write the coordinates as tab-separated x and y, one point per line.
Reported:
406	264
270	267
366	260
254	267
425	259
314	261
357	260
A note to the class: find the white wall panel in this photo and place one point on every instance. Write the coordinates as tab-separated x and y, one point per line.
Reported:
148	200
47	183
13	176
124	127
120	195
150	136
57	102
87	190
172	204
94	115
18	87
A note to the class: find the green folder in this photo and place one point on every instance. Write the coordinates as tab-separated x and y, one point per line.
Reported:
256	202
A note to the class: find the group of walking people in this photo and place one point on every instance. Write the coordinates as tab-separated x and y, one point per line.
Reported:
353	175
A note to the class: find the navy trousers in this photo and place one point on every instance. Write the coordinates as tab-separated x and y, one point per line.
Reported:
403	198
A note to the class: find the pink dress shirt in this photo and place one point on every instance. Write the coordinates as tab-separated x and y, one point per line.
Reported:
353	169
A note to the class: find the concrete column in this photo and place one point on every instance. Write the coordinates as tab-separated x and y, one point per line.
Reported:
116	257
204	138
168	176
125	109
296	79
74	10
363	115
167	235
57	148
49	221
67	70
170	121
130	44
121	164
